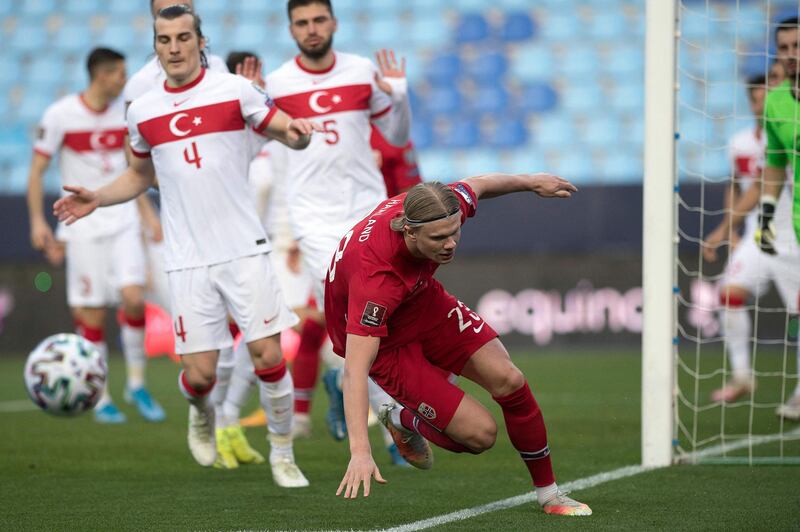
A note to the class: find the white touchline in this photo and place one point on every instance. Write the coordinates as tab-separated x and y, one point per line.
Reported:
575	485
22	405
722	448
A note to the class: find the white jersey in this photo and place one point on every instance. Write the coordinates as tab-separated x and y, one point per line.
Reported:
334	182
746	151
91	148
151	75
197	136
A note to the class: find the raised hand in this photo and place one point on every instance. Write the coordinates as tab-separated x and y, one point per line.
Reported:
361	469
389	68
551	186
80	203
250	68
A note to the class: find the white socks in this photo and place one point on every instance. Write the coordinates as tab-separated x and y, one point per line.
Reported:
105	397
217	396
546	493
135	358
737	328
378	398
277	400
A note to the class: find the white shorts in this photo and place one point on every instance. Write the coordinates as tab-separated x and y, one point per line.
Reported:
157	284
296	286
201	298
318	250
753	270
99	267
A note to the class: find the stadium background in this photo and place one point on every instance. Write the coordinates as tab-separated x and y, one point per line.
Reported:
508	85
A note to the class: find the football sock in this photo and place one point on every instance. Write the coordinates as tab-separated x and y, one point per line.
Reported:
546	493
96	335
736	328
411	422
225	366
528	435
195	396
241	383
132	335
276	393
378	398
305	368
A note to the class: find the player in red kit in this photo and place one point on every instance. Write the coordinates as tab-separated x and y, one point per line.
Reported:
390	319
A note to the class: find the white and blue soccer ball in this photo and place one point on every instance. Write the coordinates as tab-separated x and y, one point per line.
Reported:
65	375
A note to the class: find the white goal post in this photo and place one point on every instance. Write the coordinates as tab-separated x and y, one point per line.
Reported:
659	233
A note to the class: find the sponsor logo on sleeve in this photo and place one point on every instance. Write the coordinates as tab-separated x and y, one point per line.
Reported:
39	133
461	189
373	315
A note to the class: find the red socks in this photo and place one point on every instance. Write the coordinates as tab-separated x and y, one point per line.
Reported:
273	374
526	430
306	364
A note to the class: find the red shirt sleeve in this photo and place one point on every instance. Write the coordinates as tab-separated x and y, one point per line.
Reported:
372	298
468	199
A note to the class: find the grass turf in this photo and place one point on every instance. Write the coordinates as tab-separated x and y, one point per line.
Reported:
73	474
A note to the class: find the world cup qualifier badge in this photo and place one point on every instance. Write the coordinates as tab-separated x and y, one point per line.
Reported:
373	315
267	99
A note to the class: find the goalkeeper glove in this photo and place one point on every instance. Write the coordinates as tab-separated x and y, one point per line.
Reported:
765	234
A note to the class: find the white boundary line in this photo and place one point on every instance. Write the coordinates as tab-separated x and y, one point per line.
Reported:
692	458
519	500
21	405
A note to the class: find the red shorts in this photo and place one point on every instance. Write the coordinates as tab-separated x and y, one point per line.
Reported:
416	374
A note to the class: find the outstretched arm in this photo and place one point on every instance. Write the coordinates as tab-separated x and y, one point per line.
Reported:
361	353
139	176
294	133
545	185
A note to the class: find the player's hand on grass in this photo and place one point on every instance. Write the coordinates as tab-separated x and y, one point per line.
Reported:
80	203
389	68
41	235
250	68
361	469
551	186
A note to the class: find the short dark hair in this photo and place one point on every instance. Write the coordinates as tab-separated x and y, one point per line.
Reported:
755	82
178	10
787	24
101	57
234	58
292	4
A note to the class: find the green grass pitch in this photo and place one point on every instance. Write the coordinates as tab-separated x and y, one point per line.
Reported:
72	474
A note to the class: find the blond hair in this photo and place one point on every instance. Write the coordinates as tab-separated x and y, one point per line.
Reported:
426	202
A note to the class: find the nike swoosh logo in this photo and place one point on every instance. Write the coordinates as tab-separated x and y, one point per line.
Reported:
176	104
479	328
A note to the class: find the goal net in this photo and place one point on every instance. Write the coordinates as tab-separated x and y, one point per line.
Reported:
735	324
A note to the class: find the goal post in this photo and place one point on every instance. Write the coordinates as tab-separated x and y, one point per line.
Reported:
659	233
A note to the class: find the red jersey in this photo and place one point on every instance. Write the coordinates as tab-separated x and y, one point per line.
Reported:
398	164
374	281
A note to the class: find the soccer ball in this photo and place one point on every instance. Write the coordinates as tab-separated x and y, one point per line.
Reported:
65	375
